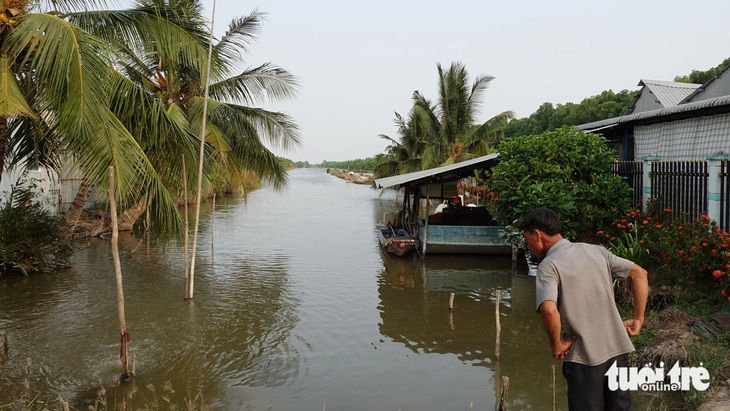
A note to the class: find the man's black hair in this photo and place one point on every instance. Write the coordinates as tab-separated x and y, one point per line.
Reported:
543	219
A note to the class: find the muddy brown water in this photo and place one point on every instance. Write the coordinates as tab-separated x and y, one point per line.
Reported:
295	308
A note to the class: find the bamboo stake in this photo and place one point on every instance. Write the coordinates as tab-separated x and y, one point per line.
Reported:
451	302
497	353
134	360
553	385
118	271
202	153
5	341
148	221
212	228
185	252
503	394
425	233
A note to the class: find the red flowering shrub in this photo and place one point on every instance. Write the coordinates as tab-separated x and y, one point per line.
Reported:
678	252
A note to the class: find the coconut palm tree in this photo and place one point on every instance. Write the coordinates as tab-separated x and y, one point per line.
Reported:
172	88
458	136
405	154
53	97
446	132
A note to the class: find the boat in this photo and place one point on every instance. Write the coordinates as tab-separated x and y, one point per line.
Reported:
396	241
458	229
455	227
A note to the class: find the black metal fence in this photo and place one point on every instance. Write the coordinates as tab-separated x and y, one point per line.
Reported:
681	186
633	172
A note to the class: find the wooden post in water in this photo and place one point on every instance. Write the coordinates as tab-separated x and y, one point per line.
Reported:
212	228
425	228
553	384
118	271
185	251
497	352
5	341
451	302
202	153
503	394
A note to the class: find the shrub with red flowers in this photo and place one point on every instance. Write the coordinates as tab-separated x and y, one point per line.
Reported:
677	251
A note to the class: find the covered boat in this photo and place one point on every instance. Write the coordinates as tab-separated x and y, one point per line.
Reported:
454	228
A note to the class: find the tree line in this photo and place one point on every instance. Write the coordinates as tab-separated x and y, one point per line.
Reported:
445	131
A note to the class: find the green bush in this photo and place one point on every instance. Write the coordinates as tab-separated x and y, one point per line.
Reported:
31	239
566	170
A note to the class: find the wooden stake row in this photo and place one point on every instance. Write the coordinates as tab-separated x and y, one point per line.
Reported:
504	390
497	344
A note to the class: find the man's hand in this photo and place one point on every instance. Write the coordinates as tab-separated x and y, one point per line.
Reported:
563	348
633	327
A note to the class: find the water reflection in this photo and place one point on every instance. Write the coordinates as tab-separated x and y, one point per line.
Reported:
235	331
294	307
414	311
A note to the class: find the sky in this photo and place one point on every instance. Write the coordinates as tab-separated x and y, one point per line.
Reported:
359	62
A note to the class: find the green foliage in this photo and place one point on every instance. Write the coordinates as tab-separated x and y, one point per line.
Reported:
548	117
444	132
288	163
608	104
31	240
361	164
701	77
631	247
689	255
566	170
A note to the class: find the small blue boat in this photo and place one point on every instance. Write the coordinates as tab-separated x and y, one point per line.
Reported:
396	241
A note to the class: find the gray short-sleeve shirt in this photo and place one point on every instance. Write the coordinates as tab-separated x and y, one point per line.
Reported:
579	278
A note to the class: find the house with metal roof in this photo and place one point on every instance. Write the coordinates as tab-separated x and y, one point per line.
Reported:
656	94
672	121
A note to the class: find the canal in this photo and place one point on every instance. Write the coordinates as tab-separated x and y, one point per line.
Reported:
295	308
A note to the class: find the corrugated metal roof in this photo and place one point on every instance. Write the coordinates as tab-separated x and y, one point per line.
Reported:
703	87
445	173
669	93
669	111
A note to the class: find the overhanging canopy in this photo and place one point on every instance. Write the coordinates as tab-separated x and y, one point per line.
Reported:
452	172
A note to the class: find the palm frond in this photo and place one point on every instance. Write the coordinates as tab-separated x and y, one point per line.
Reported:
254	85
12	99
242	32
175	35
87	127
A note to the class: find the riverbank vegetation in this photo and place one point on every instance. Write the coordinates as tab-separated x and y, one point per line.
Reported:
689	307
89	88
358	165
31	239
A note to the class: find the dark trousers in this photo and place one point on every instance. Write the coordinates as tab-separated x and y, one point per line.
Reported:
588	387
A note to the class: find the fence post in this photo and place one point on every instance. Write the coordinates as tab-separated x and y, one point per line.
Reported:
714	164
646	180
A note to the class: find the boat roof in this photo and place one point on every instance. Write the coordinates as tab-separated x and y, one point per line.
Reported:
451	172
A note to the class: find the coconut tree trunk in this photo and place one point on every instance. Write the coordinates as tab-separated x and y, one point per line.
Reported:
73	214
132	214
